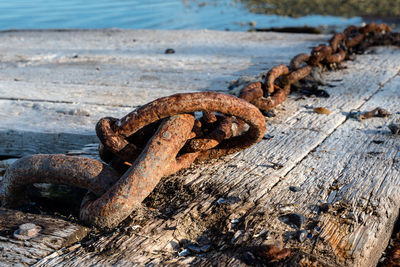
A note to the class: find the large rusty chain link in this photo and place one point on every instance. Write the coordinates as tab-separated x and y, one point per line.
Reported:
168	134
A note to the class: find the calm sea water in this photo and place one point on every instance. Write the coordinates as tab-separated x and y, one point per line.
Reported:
147	14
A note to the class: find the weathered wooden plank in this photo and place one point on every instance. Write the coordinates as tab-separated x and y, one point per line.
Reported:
356	169
55	234
55	85
133	63
24	143
255	182
41	127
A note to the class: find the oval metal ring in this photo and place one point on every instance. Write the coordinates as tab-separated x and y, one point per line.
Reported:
189	103
81	172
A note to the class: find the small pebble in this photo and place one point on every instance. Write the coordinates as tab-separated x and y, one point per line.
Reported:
321	110
228	200
184	253
269	113
222	201
252	23
301	235
294	188
267	136
27	231
234	221
169	51
295	219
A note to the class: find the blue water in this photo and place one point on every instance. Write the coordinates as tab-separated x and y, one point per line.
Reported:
150	14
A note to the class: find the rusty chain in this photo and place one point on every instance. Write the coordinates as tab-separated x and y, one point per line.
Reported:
164	136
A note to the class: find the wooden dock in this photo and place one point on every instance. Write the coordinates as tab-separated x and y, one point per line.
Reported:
55	85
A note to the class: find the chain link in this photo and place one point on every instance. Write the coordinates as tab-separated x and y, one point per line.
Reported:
163	136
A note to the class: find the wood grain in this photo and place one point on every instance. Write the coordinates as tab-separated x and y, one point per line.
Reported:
55	234
227	203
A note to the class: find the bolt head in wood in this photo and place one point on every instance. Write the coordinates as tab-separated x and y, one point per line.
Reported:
27	231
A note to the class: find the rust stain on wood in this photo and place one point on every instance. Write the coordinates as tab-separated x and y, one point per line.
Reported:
338	234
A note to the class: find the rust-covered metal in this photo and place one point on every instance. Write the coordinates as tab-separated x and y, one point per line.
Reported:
318	54
298	60
222	131
189	103
273	92
375	28
112	142
336	41
272	101
336	57
140	179
272	75
209	117
350	30
270	94
299	74
252	92
356	40
55	169
163	136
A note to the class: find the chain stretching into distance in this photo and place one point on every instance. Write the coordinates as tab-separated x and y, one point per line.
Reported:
166	135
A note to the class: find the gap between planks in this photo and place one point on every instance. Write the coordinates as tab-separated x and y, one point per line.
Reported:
343	122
